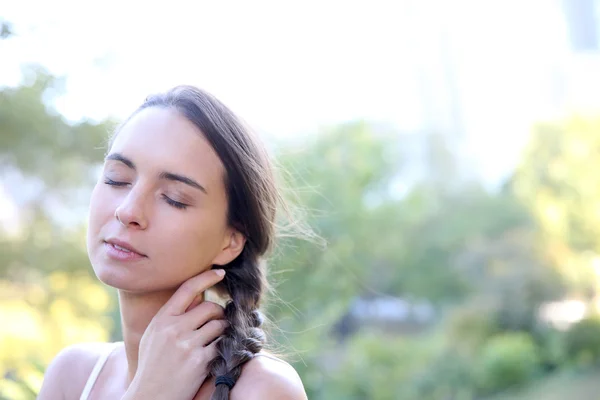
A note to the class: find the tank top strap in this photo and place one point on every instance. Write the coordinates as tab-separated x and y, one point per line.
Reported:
96	371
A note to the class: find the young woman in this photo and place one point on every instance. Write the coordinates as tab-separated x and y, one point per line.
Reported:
186	201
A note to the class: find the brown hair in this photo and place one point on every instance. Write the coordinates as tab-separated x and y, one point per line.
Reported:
253	200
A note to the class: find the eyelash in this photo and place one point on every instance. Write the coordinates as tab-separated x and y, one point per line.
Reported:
171	202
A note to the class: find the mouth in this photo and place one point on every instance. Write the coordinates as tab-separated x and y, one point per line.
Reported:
123	247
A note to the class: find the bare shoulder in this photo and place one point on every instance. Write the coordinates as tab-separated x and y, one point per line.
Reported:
267	377
67	374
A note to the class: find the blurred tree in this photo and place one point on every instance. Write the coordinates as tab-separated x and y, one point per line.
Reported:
339	179
446	241
47	291
381	368
558	180
582	342
507	361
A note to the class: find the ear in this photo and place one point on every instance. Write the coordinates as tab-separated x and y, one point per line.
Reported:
233	244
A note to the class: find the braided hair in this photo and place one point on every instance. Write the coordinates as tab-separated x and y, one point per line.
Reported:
244	336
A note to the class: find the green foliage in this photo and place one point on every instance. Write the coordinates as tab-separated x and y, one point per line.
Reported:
582	342
486	261
393	362
334	177
566	384
553	350
507	360
448	375
46	286
558	181
469	327
33	136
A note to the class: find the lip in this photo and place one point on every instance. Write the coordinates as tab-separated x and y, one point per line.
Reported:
124	245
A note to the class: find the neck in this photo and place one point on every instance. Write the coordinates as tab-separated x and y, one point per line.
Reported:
137	310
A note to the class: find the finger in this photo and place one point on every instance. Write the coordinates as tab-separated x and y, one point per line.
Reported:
186	293
210	331
197	300
210	351
200	315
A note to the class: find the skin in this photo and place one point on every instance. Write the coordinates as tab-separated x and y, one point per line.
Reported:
133	202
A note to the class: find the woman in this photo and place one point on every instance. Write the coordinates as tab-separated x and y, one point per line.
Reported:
186	201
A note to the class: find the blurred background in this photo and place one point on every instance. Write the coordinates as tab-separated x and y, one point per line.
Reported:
447	151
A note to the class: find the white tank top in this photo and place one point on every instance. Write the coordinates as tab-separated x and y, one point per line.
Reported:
96	371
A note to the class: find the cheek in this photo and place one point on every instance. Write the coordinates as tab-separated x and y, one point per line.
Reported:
93	224
189	244
182	241
101	209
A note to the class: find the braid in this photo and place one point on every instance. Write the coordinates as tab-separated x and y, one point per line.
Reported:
244	282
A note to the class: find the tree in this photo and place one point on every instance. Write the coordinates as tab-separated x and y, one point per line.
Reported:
48	292
558	181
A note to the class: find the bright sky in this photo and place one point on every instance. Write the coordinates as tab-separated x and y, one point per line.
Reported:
285	68
290	67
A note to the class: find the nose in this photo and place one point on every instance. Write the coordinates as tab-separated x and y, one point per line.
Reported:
130	213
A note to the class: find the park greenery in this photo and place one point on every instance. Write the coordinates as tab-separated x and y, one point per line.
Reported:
481	261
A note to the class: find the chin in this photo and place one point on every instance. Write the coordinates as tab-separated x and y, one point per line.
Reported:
135	278
120	277
114	277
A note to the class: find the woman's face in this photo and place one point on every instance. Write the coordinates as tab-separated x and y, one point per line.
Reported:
162	194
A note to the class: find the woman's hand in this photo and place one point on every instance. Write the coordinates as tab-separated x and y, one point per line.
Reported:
179	343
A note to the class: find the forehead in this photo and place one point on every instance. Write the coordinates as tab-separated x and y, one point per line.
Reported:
163	139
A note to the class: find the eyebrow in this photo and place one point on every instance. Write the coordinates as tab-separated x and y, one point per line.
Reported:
170	176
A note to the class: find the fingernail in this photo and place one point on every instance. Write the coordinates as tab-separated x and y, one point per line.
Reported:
220	272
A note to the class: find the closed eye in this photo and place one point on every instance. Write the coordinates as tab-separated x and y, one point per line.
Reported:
174	203
109	181
169	201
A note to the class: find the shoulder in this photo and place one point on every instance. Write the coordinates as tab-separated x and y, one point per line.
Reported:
267	377
68	372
